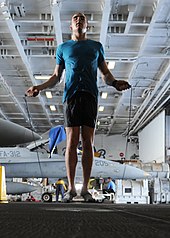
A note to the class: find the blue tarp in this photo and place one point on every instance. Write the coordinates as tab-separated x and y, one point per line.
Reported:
57	134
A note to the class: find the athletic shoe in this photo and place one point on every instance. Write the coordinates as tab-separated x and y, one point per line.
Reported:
68	196
87	196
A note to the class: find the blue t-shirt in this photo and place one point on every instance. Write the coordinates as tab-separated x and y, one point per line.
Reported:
111	185
80	60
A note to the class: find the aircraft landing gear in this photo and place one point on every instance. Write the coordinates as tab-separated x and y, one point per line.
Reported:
46	197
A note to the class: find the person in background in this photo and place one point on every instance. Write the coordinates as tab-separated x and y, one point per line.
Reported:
31	198
111	187
80	58
60	188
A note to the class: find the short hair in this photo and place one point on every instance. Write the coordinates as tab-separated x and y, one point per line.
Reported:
81	14
78	13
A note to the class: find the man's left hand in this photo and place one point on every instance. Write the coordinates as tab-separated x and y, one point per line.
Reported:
121	85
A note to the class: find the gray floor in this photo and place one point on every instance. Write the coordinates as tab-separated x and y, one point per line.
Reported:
83	220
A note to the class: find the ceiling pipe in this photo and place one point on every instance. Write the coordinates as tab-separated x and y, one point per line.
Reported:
142	108
140	55
148	114
150	97
152	115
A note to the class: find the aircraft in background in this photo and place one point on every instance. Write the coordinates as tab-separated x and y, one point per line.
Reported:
19	187
14	134
30	163
23	163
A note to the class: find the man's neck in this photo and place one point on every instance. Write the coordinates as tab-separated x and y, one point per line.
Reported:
79	37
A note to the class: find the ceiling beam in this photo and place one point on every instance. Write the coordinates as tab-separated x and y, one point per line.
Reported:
105	21
104	30
131	9
55	9
11	94
3	114
11	27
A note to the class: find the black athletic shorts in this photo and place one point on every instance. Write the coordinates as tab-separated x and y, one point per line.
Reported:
80	109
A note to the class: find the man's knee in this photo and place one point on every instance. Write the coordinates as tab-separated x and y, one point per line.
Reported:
72	144
87	146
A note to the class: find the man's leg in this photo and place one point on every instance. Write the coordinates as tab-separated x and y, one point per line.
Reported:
62	191
87	155
57	193
71	154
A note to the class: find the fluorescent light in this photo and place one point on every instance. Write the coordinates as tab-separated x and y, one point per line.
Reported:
101	108
104	95
48	94
111	64
43	77
52	108
5	12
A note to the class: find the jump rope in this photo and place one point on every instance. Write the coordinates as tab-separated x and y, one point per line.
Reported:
31	127
129	120
127	136
128	128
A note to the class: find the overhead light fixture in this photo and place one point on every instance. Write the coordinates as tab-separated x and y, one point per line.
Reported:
48	94
5	12
19	10
104	95
101	108
42	77
111	64
52	108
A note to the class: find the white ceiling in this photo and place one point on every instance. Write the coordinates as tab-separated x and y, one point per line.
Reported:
135	34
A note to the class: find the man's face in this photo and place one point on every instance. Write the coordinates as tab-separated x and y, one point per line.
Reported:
79	23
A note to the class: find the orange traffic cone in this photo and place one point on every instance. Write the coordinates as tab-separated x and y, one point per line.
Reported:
3	197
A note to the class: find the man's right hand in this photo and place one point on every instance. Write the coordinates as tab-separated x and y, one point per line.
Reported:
32	91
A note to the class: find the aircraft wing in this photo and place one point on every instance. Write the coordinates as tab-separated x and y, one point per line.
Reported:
55	167
14	134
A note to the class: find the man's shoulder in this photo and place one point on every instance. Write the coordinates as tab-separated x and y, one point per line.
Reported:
68	42
65	44
95	42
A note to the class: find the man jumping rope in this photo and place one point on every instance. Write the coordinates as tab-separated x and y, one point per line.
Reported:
80	57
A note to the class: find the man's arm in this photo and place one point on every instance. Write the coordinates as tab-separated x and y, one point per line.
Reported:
51	82
110	80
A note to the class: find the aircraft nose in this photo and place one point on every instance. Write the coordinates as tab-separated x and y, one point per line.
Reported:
135	173
30	135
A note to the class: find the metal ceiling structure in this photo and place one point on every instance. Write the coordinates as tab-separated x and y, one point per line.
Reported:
136	38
